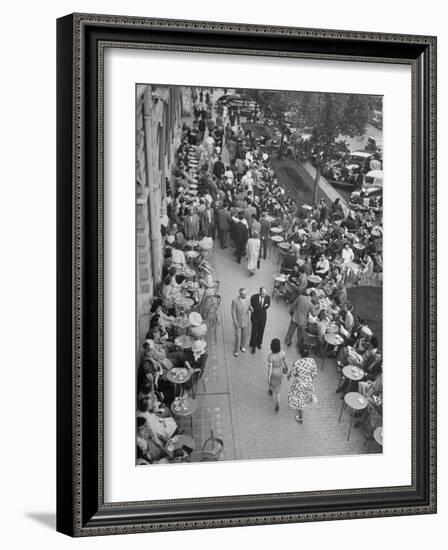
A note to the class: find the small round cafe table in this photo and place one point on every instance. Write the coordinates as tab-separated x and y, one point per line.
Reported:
356	402
181	441
181	323
378	435
185	407
178	376
184	304
352	372
279	281
314	280
331	339
189	273
276	230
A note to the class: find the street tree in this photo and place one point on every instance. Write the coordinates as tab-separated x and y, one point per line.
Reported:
325	115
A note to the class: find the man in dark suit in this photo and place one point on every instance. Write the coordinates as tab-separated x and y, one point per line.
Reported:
260	303
240	235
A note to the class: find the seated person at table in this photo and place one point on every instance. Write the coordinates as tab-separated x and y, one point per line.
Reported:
289	261
294	236
318	325
308	266
340	293
148	451
314	237
158	334
370	417
196	358
347	320
167	261
178	257
149	370
347	254
171	287
156	352
329	286
290	288
366	271
157	308
370	354
158	429
322	266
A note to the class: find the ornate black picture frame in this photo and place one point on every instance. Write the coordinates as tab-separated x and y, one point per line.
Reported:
81	40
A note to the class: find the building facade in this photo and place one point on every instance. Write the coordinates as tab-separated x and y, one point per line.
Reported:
160	111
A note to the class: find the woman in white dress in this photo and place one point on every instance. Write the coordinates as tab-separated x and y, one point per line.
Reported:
253	252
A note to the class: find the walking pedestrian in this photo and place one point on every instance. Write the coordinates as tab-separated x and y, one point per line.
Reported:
253	252
240	311
240	235
302	392
224	220
277	368
260	304
299	311
265	233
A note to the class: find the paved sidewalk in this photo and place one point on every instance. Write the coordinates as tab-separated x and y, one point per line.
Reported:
257	430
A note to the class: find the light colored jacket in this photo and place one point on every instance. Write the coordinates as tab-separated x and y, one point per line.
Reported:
241	312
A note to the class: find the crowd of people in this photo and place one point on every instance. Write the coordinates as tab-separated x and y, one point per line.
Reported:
223	189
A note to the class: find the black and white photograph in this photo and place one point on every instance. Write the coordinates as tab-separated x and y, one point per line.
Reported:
258	250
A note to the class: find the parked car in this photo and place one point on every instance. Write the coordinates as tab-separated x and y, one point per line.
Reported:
374	145
360	158
374	177
370	197
343	174
246	106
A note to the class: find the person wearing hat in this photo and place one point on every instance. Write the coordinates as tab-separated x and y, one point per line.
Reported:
196	359
197	329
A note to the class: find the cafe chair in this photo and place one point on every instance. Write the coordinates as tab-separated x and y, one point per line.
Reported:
212	315
213	448
312	342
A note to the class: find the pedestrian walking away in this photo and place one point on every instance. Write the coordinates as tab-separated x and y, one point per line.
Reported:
253	252
260	304
302	392
277	368
299	311
240	311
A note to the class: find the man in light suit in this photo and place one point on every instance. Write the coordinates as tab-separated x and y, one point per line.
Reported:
241	310
260	303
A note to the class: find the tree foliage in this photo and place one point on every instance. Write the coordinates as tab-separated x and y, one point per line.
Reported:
324	115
